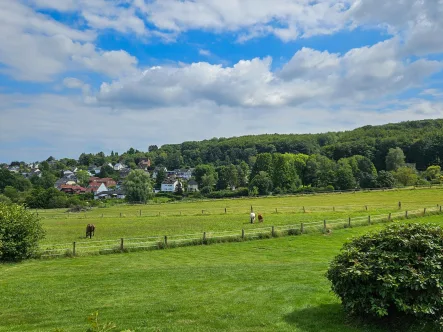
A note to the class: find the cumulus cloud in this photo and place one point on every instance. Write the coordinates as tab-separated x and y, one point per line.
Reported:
310	75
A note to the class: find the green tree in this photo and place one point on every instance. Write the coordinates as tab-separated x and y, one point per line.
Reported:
20	233
320	171
263	163
82	178
137	186
46	180
344	178
210	172
406	176
243	174
395	159
263	182
433	173
161	176
12	193
385	179
6	179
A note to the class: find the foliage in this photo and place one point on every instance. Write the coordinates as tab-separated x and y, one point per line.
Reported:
344	178
406	176
138	186
396	273
240	192
20	232
5	199
385	179
160	177
82	178
262	182
395	159
433	173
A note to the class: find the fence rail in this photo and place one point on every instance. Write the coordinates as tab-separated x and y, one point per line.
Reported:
160	242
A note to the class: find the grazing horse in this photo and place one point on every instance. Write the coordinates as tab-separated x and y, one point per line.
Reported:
260	218
252	217
90	230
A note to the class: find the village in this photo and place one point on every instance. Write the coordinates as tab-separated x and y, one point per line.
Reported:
110	187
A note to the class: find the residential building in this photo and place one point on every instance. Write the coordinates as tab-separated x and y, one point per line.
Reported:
119	194
107	181
119	167
72	189
96	187
124	172
144	164
183	173
192	186
169	185
156	170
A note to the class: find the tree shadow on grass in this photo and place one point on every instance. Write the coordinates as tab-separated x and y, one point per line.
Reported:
326	318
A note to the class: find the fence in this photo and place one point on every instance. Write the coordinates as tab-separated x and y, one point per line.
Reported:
170	241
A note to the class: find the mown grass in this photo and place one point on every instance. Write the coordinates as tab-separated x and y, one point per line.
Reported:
187	217
264	285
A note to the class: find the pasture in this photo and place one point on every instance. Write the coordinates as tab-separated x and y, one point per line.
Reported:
113	223
267	285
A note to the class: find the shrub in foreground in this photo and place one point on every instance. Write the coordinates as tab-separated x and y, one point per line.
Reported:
20	231
395	275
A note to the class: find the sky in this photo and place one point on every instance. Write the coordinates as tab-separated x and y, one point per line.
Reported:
106	75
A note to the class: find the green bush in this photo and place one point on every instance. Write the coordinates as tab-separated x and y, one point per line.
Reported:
20	231
395	275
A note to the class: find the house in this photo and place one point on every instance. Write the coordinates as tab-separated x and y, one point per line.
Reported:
192	186
156	170
94	169
125	172
14	169
169	185
107	181
35	172
183	173
119	167
96	187
68	173
72	189
144	163
119	194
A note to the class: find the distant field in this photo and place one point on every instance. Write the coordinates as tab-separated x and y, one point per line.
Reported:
187	217
266	285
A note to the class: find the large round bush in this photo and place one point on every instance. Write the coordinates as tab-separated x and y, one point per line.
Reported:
394	274
20	231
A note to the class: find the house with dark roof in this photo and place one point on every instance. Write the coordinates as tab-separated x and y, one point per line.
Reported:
192	186
169	185
72	189
144	163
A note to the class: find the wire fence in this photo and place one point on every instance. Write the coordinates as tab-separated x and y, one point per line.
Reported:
89	247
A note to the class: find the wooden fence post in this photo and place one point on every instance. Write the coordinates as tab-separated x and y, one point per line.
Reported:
349	221
203	211
120	214
366	207
121	244
276	210
102	215
369	220
304	211
424	211
73	248
166	240
302	228
406	214
242	233
272	232
389	217
324	225
252	210
225	211
204	236
440	208
140	213
333	208
399	205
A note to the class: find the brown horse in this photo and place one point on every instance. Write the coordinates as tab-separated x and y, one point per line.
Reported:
260	218
90	230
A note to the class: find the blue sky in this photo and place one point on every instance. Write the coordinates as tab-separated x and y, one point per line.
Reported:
100	75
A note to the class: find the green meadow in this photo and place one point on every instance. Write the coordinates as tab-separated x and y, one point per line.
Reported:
275	284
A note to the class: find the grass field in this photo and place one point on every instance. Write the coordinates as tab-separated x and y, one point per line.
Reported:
187	217
266	285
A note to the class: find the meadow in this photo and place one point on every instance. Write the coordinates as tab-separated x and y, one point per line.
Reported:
266	285
135	221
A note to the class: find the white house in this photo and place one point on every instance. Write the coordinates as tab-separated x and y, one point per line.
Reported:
183	173
192	186
169	185
119	167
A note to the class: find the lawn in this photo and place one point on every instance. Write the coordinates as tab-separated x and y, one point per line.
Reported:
187	217
265	285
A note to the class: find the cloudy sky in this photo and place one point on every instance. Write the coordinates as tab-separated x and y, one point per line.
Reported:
100	75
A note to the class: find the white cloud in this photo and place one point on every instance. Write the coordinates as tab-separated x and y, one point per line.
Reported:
204	52
360	74
35	47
